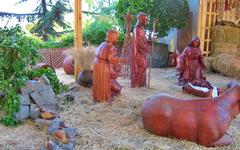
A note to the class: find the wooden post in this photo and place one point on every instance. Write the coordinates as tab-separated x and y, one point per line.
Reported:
77	34
200	29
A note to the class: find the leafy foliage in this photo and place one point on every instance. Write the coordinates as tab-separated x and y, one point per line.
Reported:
52	77
67	40
17	53
103	7
50	19
170	13
49	16
95	33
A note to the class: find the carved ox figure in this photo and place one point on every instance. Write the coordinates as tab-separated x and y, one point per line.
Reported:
203	120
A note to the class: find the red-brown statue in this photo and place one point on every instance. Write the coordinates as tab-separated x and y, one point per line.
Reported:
203	120
191	67
139	52
105	69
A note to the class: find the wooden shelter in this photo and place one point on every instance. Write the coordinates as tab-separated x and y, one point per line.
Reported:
212	11
204	14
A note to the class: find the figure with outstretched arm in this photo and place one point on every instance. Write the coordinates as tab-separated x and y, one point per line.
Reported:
105	69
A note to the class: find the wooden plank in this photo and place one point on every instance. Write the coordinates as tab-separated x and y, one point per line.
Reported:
209	25
200	7
204	15
77	34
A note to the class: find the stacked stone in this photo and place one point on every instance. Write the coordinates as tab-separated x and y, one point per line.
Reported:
35	95
37	98
54	127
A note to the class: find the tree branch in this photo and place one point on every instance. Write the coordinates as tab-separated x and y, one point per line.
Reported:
7	14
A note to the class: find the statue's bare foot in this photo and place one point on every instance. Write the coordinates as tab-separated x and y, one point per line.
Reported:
223	141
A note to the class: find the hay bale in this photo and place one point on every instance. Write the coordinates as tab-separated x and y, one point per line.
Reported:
226	65
226	39
208	63
85	56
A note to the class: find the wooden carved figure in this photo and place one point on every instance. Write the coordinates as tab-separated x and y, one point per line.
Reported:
104	84
191	66
203	120
139	52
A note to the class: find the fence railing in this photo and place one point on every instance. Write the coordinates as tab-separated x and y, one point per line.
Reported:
52	57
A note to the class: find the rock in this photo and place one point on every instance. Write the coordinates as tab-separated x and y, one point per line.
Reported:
42	123
43	79
55	121
51	107
44	96
61	136
85	78
48	114
68	146
68	96
23	113
74	88
53	128
25	99
34	111
47	93
54	146
71	131
29	87
37	99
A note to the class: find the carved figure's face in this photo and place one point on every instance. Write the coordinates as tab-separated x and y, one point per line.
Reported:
115	38
143	19
195	43
112	36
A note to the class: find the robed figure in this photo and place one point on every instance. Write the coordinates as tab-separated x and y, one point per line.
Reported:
191	68
139	52
106	69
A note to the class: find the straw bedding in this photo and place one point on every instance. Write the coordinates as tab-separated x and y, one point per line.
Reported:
115	126
226	65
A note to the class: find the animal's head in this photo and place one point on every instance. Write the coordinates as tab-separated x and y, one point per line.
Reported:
232	83
238	102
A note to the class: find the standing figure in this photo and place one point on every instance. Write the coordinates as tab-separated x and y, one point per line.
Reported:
139	52
190	67
104	84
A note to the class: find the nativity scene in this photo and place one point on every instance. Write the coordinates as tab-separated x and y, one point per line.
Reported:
157	75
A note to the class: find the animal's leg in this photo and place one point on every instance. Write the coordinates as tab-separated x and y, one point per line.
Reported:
223	141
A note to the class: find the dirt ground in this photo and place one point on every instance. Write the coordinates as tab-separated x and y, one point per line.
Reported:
115	126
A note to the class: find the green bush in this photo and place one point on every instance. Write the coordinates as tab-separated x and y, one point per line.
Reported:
95	33
50	43
121	38
170	13
17	53
66	40
52	77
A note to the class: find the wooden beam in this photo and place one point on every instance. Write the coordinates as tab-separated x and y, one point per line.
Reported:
200	7
77	34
